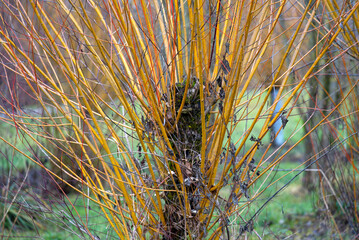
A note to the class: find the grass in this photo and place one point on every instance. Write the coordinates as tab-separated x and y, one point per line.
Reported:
291	212
293	201
24	144
277	217
9	155
64	222
285	214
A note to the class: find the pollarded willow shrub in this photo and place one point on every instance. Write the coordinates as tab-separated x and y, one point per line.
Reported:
162	110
